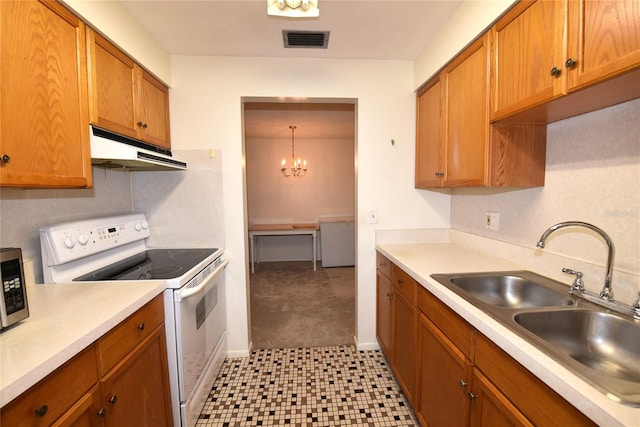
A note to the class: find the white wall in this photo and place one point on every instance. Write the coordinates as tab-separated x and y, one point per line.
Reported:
470	20
115	22
206	113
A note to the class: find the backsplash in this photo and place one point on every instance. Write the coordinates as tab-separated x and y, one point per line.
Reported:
24	211
592	175
185	205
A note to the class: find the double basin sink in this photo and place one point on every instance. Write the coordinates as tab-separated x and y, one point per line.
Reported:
600	346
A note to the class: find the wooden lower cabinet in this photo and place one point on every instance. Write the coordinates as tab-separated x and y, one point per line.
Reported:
444	378
384	303
134	392
489	407
85	413
134	387
404	344
460	377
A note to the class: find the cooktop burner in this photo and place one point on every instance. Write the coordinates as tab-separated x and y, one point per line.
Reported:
151	264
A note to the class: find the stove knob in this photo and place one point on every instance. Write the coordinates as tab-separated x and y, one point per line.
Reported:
138	226
69	242
83	239
145	225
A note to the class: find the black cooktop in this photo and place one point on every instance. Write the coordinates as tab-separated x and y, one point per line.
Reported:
150	265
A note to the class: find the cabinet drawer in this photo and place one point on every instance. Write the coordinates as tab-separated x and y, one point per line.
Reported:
452	326
123	338
518	384
404	284
383	264
54	395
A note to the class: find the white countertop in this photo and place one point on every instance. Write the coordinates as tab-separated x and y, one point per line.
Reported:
64	319
420	260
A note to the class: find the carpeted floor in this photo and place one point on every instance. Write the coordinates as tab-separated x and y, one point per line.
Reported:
293	306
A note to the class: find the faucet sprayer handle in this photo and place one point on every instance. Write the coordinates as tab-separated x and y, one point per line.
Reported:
578	283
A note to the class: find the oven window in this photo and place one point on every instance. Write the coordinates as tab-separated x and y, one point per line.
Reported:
206	305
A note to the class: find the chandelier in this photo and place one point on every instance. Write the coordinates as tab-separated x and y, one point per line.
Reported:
298	168
293	8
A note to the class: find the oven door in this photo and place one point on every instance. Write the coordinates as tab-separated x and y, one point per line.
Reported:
200	323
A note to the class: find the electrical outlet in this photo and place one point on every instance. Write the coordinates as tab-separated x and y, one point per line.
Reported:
492	221
373	216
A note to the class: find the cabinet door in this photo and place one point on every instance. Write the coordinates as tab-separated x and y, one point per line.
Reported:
429	169
405	324
466	120
136	392
112	87
603	39
444	378
489	407
44	128
526	46
154	111
85	413
384	300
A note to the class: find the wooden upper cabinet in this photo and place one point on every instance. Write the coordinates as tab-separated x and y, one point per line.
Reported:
44	126
543	50
603	40
527	55
428	143
465	150
124	98
112	87
466	123
154	111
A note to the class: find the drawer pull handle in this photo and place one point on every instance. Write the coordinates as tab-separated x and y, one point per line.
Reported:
141	326
113	399
102	412
41	411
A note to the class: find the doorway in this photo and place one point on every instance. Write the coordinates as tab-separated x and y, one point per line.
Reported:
290	304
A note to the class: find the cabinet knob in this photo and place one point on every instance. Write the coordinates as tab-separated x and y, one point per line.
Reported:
5	158
102	412
42	411
555	71
141	326
570	63
142	125
463	383
472	396
113	399
390	296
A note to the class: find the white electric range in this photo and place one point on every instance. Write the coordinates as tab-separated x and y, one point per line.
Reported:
114	248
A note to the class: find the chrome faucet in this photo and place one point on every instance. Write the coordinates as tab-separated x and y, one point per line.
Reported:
607	292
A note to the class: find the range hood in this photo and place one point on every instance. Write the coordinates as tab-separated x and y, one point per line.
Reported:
114	151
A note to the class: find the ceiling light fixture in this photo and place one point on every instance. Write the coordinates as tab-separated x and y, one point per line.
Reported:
298	168
293	8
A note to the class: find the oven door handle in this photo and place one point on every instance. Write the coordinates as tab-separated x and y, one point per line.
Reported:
187	292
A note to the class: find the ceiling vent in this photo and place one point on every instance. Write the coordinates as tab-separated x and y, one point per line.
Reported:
305	39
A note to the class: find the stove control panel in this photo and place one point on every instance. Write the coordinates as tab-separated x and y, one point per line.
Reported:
71	241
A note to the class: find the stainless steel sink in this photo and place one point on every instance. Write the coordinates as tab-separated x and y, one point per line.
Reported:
510	291
605	345
598	345
518	289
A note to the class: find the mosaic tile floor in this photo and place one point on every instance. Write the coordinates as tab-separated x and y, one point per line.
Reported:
323	386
